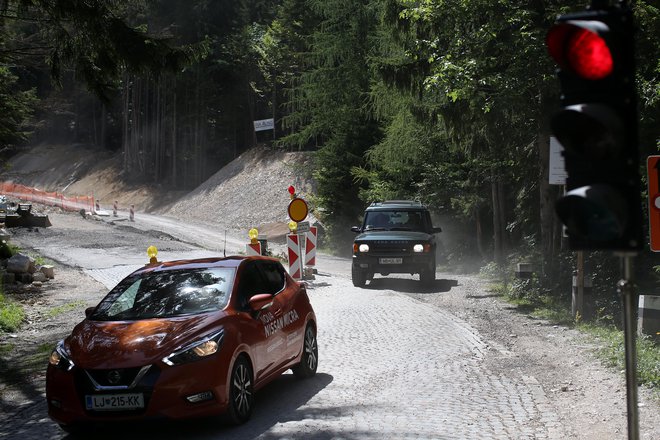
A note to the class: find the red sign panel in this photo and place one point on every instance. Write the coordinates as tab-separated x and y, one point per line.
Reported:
653	169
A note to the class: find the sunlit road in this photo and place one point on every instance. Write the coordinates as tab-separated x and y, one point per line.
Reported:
390	367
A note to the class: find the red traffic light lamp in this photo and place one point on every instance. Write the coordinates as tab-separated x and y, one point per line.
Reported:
597	126
578	47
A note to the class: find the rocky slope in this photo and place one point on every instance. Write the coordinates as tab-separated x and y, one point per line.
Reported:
251	191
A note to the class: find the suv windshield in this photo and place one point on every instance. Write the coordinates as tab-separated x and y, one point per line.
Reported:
166	294
398	220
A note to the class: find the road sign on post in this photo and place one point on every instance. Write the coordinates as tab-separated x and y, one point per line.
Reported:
298	209
597	126
653	170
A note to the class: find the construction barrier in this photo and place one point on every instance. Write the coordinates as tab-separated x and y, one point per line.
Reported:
648	321
294	251
253	249
131	213
55	199
310	246
114	209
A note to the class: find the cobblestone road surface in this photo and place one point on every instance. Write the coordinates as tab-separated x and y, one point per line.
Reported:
391	367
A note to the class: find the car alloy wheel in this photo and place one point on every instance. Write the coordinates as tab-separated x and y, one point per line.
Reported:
241	395
310	355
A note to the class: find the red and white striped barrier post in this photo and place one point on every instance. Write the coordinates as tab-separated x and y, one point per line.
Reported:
114	209
310	246
294	250
253	249
97	206
131	213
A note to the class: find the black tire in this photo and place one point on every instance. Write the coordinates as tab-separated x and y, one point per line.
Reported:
77	430
358	276
241	392
427	276
310	355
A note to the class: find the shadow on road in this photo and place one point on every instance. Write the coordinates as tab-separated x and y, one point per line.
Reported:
411	286
280	402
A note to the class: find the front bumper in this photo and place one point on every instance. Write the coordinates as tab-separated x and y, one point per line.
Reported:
375	263
164	388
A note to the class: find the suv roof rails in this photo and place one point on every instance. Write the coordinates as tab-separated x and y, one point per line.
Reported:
398	202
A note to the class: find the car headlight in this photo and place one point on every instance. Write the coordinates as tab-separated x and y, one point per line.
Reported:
363	248
422	247
197	350
61	358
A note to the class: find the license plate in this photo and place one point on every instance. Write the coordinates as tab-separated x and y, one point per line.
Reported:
114	402
390	260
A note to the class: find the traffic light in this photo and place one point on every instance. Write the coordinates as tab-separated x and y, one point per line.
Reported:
597	126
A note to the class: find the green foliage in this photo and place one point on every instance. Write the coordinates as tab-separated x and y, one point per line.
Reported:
612	352
11	314
16	108
64	308
7	249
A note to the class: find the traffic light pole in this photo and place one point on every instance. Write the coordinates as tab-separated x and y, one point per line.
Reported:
626	289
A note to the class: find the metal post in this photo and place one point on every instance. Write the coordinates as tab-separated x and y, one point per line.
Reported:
626	289
580	285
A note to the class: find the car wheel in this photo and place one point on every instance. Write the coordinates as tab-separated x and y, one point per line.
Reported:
427	276
358	276
241	395
310	355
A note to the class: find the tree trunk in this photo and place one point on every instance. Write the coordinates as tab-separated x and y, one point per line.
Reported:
497	221
547	216
501	195
479	232
174	152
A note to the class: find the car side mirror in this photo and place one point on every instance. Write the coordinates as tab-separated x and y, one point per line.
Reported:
356	229
260	302
437	229
89	311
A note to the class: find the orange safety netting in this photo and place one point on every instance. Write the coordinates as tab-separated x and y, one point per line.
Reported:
22	192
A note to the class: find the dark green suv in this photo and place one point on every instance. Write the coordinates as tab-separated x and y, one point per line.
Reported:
397	236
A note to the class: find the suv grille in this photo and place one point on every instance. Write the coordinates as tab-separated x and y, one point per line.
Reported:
393	247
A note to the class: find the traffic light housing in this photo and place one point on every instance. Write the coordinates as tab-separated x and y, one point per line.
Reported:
597	126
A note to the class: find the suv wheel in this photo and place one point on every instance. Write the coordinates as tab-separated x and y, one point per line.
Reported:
427	276
358	276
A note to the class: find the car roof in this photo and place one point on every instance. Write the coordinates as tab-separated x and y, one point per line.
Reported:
200	263
396	204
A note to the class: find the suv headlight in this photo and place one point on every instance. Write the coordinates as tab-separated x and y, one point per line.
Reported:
360	248
197	350
61	358
422	248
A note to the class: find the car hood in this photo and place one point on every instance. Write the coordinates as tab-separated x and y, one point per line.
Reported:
393	236
124	344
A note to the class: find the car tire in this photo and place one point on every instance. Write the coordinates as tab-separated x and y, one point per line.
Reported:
358	276
310	355
427	276
71	429
241	392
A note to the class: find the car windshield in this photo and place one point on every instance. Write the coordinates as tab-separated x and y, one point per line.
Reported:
394	220
166	294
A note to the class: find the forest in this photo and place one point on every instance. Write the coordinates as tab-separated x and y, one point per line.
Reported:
444	101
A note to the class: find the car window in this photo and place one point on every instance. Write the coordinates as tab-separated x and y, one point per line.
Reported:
167	293
251	283
404	220
274	275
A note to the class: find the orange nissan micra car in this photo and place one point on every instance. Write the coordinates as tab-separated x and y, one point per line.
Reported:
181	339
